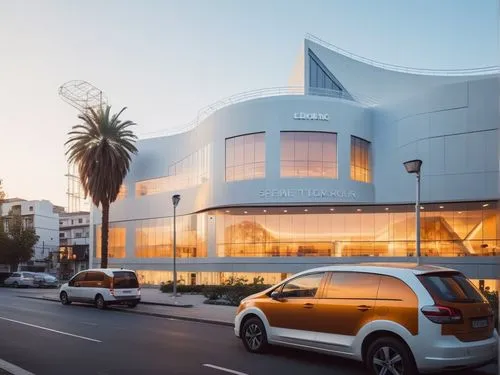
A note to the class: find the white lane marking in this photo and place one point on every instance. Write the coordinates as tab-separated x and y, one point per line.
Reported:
50	329
224	369
13	369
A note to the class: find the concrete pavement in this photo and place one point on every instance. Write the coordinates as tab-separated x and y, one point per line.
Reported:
48	338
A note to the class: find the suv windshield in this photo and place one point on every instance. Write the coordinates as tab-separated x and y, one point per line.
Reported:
125	279
450	287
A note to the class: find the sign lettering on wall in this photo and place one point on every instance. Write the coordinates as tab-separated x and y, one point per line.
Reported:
307	193
311	116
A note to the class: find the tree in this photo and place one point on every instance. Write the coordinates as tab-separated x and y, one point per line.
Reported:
16	244
2	193
102	149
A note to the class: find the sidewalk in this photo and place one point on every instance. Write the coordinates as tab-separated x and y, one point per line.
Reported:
155	303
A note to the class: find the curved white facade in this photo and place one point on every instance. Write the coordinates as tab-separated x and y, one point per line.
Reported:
449	122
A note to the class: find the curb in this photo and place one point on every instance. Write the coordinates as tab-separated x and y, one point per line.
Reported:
7	368
157	315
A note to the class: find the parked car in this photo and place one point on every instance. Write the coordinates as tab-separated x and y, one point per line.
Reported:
20	279
397	319
102	287
3	276
45	280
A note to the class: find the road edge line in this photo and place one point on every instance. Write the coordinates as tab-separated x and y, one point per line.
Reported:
157	315
13	369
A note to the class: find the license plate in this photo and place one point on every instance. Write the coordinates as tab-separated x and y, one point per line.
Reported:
480	323
127	291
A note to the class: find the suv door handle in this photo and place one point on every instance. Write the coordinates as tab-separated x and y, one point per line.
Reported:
308	305
364	308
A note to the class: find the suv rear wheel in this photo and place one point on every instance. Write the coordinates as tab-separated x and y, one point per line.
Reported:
64	298
388	355
254	336
99	302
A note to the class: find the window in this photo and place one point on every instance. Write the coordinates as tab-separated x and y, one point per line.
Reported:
360	160
61	234
321	80
352	285
16	274
31	208
61	222
451	287
80	221
308	154
245	157
302	286
94	276
125	280
78	235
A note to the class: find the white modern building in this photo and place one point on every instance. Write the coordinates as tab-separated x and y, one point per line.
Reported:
42	216
279	180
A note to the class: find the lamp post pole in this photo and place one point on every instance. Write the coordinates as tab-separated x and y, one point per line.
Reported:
417	220
413	166
175	201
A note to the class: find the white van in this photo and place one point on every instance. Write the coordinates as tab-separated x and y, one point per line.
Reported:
102	287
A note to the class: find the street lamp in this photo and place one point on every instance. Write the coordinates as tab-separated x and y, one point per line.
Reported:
175	201
413	166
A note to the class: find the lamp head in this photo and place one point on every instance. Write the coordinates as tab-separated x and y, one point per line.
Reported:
175	199
413	166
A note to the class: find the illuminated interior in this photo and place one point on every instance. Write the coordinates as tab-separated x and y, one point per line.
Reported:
360	160
116	241
246	157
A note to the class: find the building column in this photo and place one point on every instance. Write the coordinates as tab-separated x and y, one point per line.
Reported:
211	240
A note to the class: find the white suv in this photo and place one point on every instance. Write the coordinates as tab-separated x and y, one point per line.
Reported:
397	319
102	287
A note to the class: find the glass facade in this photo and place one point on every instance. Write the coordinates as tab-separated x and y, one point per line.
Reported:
319	77
116	240
360	160
246	157
122	194
461	229
191	171
308	154
153	237
207	278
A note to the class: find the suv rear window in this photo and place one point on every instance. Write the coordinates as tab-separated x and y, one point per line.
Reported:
125	280
450	287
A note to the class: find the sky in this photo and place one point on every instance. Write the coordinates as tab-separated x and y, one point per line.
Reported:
164	60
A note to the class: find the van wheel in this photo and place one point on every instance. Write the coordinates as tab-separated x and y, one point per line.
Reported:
388	355
99	302
15	284
64	298
132	304
254	336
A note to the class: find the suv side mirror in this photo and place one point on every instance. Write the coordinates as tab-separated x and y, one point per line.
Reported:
276	295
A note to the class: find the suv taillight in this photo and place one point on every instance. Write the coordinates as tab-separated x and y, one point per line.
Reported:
442	314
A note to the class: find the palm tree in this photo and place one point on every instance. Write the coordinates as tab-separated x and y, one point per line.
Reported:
102	149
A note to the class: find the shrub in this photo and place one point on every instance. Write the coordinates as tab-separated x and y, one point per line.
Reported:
233	291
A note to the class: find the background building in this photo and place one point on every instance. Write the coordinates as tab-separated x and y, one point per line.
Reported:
74	234
42	216
279	180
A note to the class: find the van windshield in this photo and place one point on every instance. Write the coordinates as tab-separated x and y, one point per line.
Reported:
125	280
450	287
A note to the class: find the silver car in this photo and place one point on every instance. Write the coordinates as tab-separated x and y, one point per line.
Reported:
20	279
45	280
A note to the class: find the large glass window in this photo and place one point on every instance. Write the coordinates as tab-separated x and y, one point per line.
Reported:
191	171
308	154
116	240
245	157
153	237
360	160
320	80
461	229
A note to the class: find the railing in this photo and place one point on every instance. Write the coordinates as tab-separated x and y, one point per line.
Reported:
493	69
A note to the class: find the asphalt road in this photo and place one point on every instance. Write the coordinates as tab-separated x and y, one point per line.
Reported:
47	338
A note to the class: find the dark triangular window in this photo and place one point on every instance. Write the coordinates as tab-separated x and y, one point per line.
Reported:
321	80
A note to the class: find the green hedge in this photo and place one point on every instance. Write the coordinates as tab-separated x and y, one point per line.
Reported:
233	294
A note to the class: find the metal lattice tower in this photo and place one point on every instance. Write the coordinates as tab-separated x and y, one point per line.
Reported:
82	96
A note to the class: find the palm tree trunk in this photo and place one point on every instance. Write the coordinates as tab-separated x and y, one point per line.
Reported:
104	234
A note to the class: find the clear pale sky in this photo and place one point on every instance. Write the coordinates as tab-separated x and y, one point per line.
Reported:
164	60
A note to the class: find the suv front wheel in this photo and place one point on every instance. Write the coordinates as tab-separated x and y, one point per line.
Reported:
254	335
388	355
